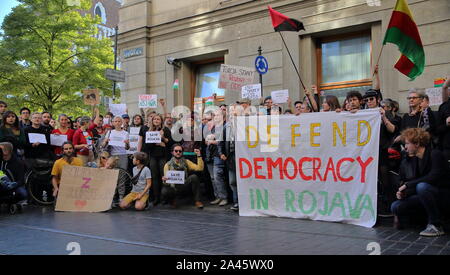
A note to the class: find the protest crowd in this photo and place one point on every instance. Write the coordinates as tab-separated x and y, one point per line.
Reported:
414	152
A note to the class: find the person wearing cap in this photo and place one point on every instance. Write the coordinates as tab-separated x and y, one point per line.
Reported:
126	122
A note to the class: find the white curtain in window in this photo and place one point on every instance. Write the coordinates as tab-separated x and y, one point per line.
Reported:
346	60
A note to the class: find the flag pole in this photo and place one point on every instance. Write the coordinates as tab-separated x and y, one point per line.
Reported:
378	61
292	60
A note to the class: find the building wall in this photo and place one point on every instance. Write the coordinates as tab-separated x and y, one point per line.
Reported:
199	29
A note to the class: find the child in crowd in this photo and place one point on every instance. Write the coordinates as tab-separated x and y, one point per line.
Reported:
143	179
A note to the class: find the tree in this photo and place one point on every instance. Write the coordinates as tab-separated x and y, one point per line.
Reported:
49	53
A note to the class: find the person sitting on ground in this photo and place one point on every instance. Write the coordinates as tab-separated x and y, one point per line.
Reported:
424	183
14	169
101	160
68	158
191	181
140	191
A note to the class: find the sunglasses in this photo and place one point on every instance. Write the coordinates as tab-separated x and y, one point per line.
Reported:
412	97
178	151
104	158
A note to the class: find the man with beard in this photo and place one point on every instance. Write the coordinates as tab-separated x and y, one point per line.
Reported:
68	158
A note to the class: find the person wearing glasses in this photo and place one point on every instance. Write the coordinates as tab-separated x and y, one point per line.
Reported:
191	181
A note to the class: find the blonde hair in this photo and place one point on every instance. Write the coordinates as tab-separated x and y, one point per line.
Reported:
104	154
114	161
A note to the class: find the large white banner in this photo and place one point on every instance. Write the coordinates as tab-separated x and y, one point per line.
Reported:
319	166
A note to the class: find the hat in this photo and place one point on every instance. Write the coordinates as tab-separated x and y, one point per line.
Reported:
371	93
245	101
125	116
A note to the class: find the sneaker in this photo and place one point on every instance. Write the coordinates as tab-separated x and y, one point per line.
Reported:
432	231
223	202
235	207
385	214
199	204
397	224
216	201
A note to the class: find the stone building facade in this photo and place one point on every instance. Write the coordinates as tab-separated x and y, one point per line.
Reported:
338	50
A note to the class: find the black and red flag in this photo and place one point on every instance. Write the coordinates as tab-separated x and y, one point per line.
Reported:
281	22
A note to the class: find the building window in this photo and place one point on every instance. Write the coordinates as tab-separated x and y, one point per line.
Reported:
205	79
344	64
100	11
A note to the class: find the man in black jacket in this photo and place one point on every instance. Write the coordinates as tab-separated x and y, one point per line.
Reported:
424	182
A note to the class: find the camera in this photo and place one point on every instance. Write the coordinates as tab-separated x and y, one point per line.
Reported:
173	61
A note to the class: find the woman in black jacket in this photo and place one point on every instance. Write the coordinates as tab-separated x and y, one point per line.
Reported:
157	152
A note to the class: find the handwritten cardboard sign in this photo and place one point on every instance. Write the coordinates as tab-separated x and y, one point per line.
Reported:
251	91
175	177
232	78
148	101
435	95
91	97
84	189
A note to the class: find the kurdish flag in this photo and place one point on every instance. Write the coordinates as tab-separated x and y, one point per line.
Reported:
403	32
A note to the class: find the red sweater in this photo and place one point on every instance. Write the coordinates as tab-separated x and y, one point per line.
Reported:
79	138
69	134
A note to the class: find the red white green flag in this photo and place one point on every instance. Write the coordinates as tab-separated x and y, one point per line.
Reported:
403	32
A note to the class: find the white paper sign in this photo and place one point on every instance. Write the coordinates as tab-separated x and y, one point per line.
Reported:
117	138
319	166
435	95
175	177
134	140
118	109
35	138
279	97
251	91
134	130
58	140
148	101
153	137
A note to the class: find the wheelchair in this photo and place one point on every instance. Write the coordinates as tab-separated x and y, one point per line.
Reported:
38	181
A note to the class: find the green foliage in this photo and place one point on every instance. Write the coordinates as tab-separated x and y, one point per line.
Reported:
49	54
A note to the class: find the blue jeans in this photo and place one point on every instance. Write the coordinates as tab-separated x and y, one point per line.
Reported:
425	200
217	172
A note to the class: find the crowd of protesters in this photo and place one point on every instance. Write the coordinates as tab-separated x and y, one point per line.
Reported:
414	151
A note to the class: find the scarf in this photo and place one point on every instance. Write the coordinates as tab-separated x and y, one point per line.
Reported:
181	166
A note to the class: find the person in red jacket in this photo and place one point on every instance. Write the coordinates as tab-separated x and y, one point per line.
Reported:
63	129
83	140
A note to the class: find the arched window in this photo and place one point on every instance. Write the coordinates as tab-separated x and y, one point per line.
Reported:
100	11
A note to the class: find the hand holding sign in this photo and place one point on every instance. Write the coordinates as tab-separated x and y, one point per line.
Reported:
279	97
148	101
251	91
153	137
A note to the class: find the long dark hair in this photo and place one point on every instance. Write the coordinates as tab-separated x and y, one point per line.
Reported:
142	121
333	102
15	126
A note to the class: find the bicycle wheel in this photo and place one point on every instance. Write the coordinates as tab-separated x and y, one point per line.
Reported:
40	188
124	178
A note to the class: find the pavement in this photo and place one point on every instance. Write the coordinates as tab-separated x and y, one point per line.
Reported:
189	231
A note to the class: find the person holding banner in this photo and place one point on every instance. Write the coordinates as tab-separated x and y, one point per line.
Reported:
425	186
63	129
191	181
67	158
143	178
157	152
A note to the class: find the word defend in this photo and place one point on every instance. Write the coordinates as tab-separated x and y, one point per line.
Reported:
175	177
319	166
148	101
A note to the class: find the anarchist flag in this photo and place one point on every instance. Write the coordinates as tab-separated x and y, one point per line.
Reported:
281	22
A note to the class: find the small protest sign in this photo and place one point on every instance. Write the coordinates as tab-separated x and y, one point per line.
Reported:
85	189
58	140
37	138
148	101
91	97
175	177
232	78
118	109
153	137
279	97
435	95
251	91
